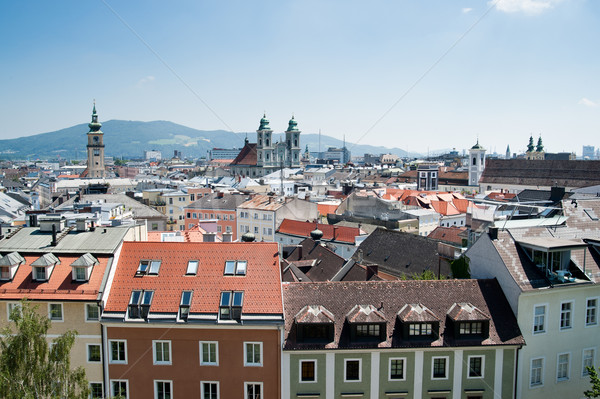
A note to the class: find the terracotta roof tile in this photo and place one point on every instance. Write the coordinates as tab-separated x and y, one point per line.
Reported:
247	155
330	232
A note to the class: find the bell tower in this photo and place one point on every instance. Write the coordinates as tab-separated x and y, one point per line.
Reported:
292	141
95	148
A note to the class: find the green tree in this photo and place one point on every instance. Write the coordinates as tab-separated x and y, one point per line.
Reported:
30	367
595	381
460	267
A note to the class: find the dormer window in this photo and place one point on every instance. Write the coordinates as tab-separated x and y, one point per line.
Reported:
139	304
366	323
43	266
468	321
82	267
416	329
230	306
184	306
418	322
9	265
235	267
367	330
473	327
39	274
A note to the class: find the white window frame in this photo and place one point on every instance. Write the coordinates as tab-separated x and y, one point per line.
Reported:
154	353
62	312
314	361
246	364
542	331
584	372
209	382
359	369
87	353
156	382
570	313
482	367
9	307
87	314
216	362
543	359
101	387
110	359
246	383
433	359
112	392
586	311
403	359
568	377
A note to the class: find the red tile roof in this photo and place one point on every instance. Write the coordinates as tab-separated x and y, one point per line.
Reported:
448	234
60	286
247	155
303	229
261	285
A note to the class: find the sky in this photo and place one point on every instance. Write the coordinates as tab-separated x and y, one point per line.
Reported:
418	75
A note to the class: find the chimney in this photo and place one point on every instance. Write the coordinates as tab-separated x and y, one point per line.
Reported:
227	237
493	233
208	237
299	247
53	243
220	194
92	227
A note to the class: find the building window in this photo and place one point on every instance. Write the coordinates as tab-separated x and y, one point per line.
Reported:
96	391
163	389
237	267
228	229
397	367
420	329
192	267
10	307
162	352
352	370
92	312
118	351
252	353
476	366
253	390
184	305
139	304
562	368
219	228
539	319
93	353
588	360
118	388
367	330
536	377
231	305
439	369
210	390
209	353
255	229
5	273
565	315
308	371
55	311
591	312
39	273
80	273
470	328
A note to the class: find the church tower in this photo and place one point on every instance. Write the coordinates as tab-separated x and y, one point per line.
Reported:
95	148
476	163
264	143
292	140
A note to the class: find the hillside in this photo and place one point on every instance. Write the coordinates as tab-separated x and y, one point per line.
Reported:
129	139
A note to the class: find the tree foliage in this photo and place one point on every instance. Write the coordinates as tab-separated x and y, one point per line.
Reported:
595	381
32	368
460	268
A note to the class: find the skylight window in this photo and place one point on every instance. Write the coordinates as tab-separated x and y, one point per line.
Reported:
148	267
236	267
184	306
241	267
229	267
230	306
139	304
192	267
143	267
154	266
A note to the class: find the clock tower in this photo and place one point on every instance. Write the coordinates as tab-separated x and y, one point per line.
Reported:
95	148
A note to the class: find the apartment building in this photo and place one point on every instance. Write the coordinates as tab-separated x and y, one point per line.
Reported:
215	206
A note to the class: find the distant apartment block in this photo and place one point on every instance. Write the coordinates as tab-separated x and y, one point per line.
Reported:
223	153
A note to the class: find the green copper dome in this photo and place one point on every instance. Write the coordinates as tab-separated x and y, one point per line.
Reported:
477	146
540	146
530	145
264	123
292	125
94	125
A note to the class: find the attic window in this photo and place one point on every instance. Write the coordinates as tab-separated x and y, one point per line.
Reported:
422	329
139	304
235	267
184	306
148	267
43	266
9	265
230	306
471	328
82	267
192	267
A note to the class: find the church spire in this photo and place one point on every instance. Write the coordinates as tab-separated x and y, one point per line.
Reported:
94	125
540	146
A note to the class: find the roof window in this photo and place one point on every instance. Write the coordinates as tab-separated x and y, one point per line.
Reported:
236	267
192	267
230	306
184	305
139	304
148	267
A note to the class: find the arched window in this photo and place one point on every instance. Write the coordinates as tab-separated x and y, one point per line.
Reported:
474	161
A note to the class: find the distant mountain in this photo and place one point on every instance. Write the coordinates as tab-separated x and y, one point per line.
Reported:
129	139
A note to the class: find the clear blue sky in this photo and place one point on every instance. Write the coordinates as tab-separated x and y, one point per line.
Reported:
525	67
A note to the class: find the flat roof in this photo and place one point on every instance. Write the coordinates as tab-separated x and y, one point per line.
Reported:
548	244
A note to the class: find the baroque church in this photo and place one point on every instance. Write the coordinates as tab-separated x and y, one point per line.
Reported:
265	156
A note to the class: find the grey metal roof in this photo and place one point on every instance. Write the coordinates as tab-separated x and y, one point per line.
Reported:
140	211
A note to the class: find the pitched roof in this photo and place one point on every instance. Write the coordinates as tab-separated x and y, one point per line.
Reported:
389	298
327	264
218	201
263	203
448	234
247	156
330	232
261	284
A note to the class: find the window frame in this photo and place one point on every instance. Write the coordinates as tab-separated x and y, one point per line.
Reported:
62	312
253	364
595	309
569	316
161	342
246	383
110	351
156	382
544	324
190	269
469	376
209	382
300	376
568	375
9	308
101	389
112	390
584	373
543	363
87	352
446	367
403	360
346	361
209	363
87	313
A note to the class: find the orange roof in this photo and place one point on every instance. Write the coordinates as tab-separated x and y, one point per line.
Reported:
444	208
60	286
67	177
261	285
303	229
462	204
449	234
